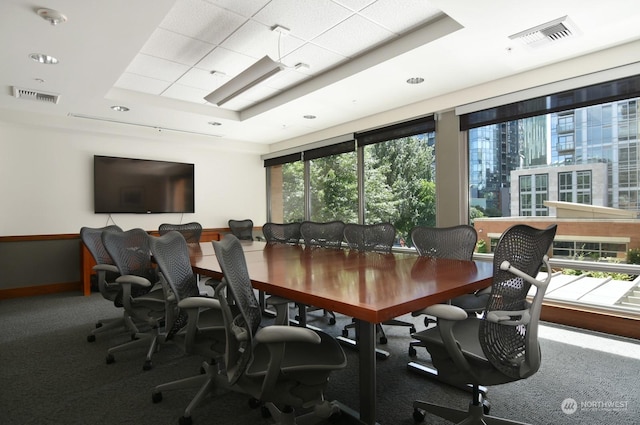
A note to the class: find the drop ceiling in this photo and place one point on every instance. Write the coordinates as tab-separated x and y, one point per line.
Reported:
343	59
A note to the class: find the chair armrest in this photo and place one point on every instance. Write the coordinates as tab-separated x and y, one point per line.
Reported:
199	302
443	311
281	333
105	268
134	280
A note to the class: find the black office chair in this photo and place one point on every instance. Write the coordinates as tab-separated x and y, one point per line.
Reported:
242	229
328	234
456	243
106	272
501	346
281	234
143	296
196	325
284	233
191	231
378	237
284	367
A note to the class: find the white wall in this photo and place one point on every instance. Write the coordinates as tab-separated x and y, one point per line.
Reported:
46	175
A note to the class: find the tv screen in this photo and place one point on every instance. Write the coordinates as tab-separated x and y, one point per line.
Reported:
141	186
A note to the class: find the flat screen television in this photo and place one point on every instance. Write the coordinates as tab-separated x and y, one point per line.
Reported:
142	186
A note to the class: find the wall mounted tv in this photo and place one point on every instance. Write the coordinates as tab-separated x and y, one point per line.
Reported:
142	186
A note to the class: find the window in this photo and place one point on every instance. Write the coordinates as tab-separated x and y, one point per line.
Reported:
389	177
579	147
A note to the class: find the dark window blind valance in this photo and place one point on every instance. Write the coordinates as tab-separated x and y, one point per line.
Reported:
610	91
336	149
397	131
285	159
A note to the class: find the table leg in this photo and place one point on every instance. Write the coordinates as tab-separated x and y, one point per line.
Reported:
367	372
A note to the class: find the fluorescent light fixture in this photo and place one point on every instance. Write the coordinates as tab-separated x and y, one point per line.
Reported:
255	74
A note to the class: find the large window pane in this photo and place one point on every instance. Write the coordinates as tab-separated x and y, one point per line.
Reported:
333	188
399	183
287	192
587	157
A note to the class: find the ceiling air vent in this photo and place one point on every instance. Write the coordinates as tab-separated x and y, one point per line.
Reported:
40	96
556	30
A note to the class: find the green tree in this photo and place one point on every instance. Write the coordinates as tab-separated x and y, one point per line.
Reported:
334	188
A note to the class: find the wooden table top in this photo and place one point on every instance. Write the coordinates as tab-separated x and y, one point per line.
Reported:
366	285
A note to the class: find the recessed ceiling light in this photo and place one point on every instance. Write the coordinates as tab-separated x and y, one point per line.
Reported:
309	117
52	16
214	123
415	80
42	58
119	108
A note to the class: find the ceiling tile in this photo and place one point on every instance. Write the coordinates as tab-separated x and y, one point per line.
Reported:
201	79
189	94
305	18
176	47
354	5
160	69
244	8
256	40
353	36
195	19
226	61
399	19
141	84
316	57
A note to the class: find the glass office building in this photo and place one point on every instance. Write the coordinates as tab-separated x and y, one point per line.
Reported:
586	155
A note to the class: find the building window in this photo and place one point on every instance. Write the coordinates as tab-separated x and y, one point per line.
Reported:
534	190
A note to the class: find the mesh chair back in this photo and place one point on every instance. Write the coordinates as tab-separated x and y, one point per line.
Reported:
190	231
242	229
284	233
92	238
171	253
377	237
130	252
514	350
328	234
457	242
243	321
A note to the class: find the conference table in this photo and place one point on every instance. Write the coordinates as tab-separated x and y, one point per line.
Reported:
371	287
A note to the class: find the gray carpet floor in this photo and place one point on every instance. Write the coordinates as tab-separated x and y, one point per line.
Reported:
50	374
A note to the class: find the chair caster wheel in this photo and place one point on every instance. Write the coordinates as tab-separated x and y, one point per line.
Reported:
412	352
418	415
332	321
91	338
110	358
345	333
264	411
147	365
254	403
156	397
185	420
412	329
383	340
486	406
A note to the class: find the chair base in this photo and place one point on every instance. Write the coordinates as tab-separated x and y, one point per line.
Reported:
138	340
474	416
287	416
206	381
105	325
433	373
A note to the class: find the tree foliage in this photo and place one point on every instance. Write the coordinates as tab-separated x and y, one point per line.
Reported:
399	186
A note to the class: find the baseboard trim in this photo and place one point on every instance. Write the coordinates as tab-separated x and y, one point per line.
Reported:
30	291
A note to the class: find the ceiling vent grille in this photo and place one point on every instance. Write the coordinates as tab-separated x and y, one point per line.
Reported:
556	30
39	96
